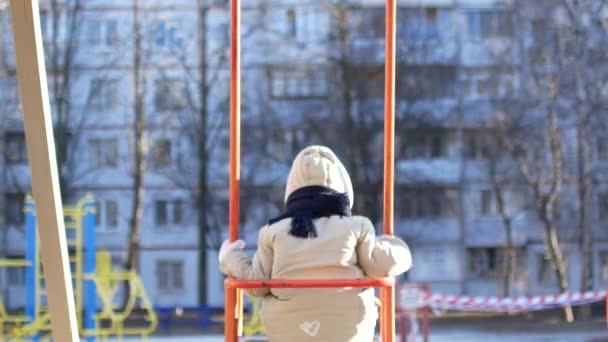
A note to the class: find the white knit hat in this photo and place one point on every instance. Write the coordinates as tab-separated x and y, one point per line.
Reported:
318	165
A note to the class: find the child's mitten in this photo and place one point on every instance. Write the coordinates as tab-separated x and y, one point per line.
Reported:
227	246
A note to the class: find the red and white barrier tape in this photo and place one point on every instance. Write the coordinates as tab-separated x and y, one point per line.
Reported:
501	304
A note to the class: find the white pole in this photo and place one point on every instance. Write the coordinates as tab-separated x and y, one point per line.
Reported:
43	165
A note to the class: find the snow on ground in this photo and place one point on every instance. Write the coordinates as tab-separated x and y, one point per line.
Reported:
483	329
444	336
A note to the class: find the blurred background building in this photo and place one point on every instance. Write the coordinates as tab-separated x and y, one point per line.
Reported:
486	90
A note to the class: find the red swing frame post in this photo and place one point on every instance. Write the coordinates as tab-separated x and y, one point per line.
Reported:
233	288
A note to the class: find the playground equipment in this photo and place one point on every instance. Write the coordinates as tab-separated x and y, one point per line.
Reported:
233	288
200	316
93	279
412	308
254	325
31	72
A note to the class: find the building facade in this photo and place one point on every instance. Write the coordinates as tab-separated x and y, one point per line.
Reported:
312	73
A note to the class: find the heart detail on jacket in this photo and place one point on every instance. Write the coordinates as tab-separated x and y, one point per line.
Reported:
310	328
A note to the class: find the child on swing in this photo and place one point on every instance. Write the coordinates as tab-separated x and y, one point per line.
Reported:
317	237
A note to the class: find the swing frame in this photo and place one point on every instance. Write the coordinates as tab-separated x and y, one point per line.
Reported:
38	125
233	316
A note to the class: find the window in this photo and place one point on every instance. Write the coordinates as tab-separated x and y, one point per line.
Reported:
546	271
422	24
111	37
486	202
435	206
111	214
306	24
15	205
178	211
559	208
104	152
482	24
404	207
16	276
44	20
160	37
602	148
430	14
160	209
117	263
169	95
170	275
603	206
169	212
478	145
106	214
424	145
421	82
412	24
472	146
436	146
283	142
423	204
294	84
486	262
431	22
10	92
367	23
103	93
291	22
167	35
223	32
15	149
94	32
543	34
604	265
162	153
98	211
494	85
100	32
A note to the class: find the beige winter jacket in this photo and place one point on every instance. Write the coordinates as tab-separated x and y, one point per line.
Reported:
345	248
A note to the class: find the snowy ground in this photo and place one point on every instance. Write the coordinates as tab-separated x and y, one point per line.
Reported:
471	329
451	335
456	336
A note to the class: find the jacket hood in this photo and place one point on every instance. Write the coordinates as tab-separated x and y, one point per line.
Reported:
318	165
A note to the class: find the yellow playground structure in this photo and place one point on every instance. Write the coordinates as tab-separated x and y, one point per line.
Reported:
95	283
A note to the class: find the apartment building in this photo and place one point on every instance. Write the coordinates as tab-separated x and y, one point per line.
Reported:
305	64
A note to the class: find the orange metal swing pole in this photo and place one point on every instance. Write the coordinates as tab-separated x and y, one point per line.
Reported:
387	294
234	297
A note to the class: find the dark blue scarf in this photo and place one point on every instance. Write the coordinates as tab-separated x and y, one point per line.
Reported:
309	203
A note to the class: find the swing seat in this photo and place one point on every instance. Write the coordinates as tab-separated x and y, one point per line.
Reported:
235	299
231	283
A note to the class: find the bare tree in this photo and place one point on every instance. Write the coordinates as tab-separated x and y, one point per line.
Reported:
202	200
354	84
63	19
584	21
204	133
500	181
542	176
566	39
534	130
138	147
